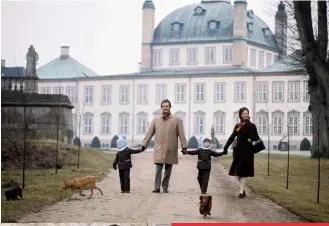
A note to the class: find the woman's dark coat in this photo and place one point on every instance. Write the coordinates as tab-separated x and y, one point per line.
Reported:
243	156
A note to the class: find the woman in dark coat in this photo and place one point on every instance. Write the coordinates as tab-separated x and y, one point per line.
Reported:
243	156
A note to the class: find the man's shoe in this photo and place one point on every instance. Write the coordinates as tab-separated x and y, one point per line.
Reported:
241	196
203	192
165	191
156	191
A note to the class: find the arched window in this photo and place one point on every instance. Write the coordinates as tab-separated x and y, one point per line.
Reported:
88	121
105	123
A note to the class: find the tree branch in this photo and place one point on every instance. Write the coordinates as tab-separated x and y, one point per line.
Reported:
303	18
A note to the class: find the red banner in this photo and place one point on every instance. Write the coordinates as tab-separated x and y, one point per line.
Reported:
248	224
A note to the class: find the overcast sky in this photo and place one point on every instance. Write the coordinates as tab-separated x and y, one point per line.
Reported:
103	35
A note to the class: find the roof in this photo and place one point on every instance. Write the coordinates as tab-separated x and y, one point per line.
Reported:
64	68
194	28
148	4
176	73
290	63
281	13
181	74
169	74
13	71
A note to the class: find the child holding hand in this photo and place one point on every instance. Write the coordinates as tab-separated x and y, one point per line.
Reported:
204	162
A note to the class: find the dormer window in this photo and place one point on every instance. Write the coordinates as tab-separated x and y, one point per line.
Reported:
250	26
213	25
266	31
250	14
199	11
176	29
176	26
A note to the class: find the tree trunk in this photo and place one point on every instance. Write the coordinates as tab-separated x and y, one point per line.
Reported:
319	127
25	138
321	112
57	148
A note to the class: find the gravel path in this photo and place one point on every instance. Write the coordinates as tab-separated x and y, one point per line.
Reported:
179	205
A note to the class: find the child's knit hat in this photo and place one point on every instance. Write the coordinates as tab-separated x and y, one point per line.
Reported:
122	143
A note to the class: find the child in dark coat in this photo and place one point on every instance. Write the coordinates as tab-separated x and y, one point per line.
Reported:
123	161
204	162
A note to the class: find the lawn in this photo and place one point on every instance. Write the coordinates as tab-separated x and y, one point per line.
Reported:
300	198
42	187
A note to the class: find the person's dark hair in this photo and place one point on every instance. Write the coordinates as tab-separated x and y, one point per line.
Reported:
242	110
165	101
206	139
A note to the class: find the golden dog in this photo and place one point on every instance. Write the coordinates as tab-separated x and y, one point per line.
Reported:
80	184
205	205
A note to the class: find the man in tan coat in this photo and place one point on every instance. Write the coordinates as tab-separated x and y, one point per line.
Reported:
166	129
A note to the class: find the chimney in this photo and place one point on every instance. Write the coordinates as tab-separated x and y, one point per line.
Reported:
3	63
65	52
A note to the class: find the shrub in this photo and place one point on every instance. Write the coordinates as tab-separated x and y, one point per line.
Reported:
305	145
282	146
114	141
95	143
193	143
76	141
218	145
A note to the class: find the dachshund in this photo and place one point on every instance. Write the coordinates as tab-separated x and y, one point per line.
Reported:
80	184
205	205
14	192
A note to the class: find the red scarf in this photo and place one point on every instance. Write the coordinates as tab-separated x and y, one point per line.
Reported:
241	124
165	115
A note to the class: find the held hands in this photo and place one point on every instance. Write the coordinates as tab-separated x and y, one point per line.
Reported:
143	148
184	151
225	151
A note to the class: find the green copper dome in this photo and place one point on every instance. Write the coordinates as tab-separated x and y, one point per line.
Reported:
192	23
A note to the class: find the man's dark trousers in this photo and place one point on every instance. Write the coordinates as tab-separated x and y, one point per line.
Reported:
125	179
158	175
203	179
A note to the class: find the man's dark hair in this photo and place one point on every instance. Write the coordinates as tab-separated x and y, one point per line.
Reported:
165	101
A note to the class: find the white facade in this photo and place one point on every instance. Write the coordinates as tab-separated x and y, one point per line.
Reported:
126	106
206	82
207	56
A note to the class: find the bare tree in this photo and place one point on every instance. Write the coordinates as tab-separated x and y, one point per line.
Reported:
80	114
311	20
58	116
23	115
287	135
307	34
12	130
314	43
269	129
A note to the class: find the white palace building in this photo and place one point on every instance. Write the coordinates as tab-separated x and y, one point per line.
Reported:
209	59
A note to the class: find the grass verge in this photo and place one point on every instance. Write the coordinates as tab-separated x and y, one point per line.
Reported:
300	198
42	187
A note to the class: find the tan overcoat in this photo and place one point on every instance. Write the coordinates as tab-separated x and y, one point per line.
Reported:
166	139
